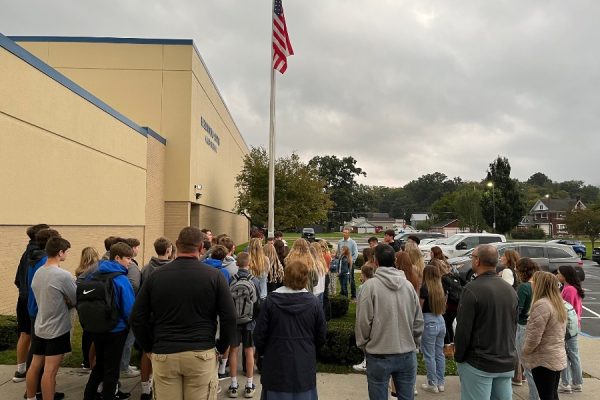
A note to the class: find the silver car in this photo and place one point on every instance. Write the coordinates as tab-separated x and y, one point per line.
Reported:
549	256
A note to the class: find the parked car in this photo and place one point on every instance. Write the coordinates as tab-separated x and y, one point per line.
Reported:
308	234
578	247
401	237
458	244
596	254
549	256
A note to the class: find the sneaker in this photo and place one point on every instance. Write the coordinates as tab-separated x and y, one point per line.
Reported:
122	395
416	392
218	389
564	389
362	367
232	392
249	391
223	376
19	376
441	388
577	388
146	396
516	383
130	373
429	388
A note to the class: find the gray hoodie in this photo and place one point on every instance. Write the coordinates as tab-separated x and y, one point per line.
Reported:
230	265
388	314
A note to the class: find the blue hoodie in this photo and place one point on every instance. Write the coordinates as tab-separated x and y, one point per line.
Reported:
124	296
218	264
37	260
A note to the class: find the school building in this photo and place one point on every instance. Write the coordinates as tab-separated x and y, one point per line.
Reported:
111	136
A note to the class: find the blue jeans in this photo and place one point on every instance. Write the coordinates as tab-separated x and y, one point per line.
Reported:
533	394
126	356
401	367
344	285
572	374
479	385
432	346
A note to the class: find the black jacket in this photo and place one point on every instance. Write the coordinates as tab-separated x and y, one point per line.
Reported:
184	299
21	274
486	324
290	328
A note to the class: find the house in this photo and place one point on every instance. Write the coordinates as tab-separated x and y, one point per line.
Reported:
448	227
418	218
383	220
550	215
360	225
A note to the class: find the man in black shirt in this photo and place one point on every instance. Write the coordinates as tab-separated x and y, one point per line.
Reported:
174	319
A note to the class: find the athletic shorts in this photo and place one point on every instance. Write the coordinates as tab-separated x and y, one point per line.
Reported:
23	318
244	336
51	347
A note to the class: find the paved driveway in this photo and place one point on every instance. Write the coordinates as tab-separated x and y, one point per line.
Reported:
590	317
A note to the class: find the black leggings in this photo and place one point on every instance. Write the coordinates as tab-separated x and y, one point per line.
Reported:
546	382
86	344
449	317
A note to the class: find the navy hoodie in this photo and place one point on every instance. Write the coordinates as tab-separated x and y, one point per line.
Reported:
290	328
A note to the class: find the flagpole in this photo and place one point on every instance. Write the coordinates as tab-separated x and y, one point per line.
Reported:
271	220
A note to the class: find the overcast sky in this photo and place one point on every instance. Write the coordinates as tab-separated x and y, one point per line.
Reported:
405	87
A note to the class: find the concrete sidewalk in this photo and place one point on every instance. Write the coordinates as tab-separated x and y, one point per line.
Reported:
330	386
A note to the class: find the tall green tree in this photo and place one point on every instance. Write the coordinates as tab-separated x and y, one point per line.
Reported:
299	195
585	222
339	177
502	199
539	179
467	205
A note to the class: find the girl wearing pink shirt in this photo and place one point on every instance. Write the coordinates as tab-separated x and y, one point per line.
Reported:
571	377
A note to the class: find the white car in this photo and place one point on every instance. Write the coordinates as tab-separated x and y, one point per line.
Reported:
459	244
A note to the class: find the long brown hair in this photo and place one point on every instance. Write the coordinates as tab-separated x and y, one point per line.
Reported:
258	261
416	257
346	252
546	285
432	280
89	257
275	267
301	252
404	264
320	258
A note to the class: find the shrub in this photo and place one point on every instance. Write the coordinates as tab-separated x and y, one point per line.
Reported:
529	233
359	262
8	332
339	306
340	347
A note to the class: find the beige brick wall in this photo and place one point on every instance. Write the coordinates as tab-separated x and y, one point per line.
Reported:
219	221
155	195
177	216
14	240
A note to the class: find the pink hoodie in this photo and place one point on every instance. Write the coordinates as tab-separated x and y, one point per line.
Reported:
569	294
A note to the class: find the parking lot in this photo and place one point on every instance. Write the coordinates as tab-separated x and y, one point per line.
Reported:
590	317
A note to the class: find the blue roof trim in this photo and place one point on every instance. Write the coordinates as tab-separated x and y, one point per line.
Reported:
83	39
44	68
155	135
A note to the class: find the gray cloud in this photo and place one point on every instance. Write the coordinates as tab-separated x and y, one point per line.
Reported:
406	87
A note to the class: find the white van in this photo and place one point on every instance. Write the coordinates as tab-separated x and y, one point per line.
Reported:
459	244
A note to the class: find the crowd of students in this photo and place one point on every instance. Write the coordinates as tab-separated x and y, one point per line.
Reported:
195	303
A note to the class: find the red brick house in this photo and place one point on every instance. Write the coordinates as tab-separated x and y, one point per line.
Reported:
550	215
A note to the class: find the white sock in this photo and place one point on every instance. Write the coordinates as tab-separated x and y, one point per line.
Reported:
21	368
31	398
249	382
222	364
146	387
100	387
234	381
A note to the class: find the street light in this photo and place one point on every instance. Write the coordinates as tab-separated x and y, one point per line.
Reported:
491	185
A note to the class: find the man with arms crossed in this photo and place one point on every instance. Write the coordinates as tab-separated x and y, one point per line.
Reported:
347	241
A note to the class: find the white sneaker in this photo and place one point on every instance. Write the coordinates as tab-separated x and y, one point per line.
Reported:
429	388
362	367
577	388
441	388
130	373
564	389
416	392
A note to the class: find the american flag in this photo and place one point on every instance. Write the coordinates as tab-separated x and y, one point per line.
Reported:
282	48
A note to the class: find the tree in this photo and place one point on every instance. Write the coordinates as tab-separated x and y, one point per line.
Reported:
502	200
467	205
299	195
539	179
585	222
338	175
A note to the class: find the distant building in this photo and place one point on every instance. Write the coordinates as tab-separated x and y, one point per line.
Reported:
360	225
418	218
448	227
550	215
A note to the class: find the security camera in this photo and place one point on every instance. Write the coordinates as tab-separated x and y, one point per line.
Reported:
198	195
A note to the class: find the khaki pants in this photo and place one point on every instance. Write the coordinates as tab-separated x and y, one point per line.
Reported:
190	375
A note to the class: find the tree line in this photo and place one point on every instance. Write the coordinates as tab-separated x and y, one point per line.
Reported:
325	191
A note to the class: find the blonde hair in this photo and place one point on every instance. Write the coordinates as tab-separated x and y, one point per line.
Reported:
275	267
546	285
320	257
89	257
258	262
432	280
301	252
416	258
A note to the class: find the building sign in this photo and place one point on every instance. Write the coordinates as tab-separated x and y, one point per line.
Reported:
211	138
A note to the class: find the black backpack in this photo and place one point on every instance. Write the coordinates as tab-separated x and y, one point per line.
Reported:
452	286
98	312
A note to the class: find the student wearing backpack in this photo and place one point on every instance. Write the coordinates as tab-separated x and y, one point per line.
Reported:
217	255
55	290
109	333
573	294
244	290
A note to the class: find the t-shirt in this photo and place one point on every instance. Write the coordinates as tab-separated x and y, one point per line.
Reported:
424	294
53	287
508	276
